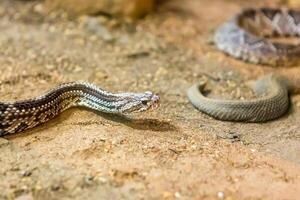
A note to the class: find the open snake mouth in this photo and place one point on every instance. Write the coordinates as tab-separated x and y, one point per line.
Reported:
150	104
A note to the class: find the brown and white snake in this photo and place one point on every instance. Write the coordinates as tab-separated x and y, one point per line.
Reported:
21	115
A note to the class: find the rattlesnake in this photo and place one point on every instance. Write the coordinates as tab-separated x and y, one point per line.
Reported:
21	115
244	36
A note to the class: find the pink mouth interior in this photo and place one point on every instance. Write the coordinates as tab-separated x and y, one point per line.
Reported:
155	100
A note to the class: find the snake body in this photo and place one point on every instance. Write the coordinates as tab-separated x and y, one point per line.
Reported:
245	35
272	103
21	115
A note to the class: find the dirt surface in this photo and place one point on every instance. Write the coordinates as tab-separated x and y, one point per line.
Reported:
174	152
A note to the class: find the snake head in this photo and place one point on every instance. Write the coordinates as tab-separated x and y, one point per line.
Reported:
139	102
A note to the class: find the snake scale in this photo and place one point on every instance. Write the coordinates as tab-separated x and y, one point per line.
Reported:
21	115
272	103
245	36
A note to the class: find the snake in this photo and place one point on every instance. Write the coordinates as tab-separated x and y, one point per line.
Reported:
245	36
25	114
272	101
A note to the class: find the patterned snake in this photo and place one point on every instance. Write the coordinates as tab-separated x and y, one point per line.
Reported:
244	36
21	115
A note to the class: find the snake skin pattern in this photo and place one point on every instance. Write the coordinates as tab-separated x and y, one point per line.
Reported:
245	35
272	103
22	115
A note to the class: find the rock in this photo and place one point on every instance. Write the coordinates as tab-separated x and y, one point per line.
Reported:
26	173
124	8
92	25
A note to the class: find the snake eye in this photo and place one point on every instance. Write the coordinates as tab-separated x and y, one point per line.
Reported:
144	102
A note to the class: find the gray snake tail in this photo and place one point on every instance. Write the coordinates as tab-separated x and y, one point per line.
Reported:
245	35
272	103
21	115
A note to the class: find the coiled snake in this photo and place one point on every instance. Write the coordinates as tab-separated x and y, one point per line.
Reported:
21	115
244	37
273	103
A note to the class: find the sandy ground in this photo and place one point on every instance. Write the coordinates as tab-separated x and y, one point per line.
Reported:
174	152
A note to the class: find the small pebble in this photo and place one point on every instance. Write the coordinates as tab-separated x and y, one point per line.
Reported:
26	173
93	26
177	195
102	180
220	195
49	66
88	180
38	8
55	187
